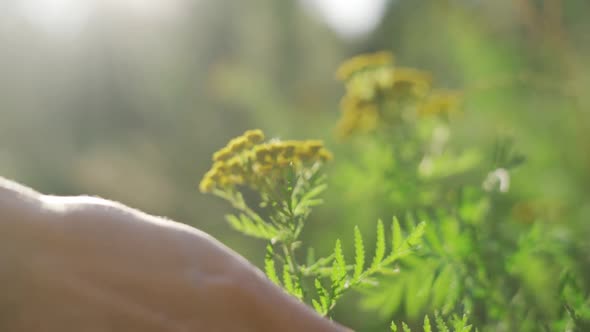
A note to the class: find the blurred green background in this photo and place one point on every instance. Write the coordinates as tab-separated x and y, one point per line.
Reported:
128	99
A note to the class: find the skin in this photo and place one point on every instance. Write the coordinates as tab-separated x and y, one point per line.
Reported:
87	264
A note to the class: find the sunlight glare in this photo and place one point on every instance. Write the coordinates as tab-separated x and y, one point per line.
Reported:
349	18
57	16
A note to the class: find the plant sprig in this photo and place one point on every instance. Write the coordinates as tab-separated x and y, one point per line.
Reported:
285	179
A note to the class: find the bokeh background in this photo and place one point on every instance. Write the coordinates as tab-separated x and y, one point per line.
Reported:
128	99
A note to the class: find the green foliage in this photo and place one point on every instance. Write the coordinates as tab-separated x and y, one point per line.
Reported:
454	324
359	258
486	250
269	265
252	227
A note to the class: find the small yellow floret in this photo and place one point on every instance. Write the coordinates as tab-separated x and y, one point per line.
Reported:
222	155
206	185
238	144
254	136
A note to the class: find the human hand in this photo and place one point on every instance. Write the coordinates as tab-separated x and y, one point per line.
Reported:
88	264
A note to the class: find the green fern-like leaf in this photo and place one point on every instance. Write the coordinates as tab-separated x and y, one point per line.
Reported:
359	257
416	236
288	280
427	327
298	289
441	325
396	238
324	297
309	200
339	274
460	324
269	266
380	245
318	306
393	327
405	246
339	256
247	226
405	327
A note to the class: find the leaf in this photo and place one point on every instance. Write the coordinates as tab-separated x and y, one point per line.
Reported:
318	307
269	265
308	199
443	285
338	256
253	228
297	289
427	326
405	327
380	245
460	325
415	237
359	257
320	266
338	275
393	327
396	239
338	281
324	300
418	289
440	323
287	280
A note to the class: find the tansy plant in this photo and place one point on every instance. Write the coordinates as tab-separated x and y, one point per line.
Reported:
482	252
273	185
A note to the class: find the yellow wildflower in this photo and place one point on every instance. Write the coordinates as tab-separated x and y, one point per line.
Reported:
362	62
244	162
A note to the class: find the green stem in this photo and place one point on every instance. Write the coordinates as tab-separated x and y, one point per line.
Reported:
295	268
288	257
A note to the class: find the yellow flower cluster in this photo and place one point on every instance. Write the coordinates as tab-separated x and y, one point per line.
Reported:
247	160
377	91
361	62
